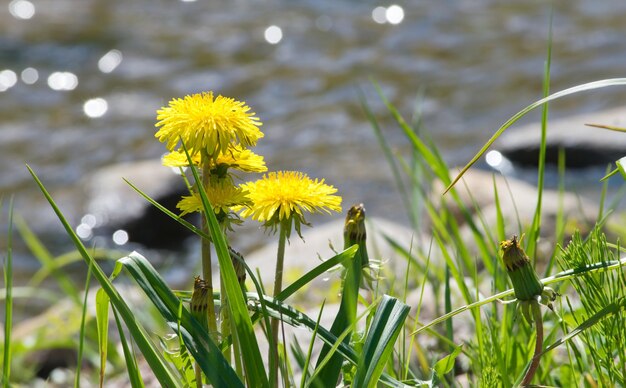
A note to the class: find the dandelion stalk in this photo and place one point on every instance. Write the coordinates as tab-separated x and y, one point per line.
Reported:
278	287
534	363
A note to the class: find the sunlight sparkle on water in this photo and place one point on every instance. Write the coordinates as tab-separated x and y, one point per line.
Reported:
62	80
395	14
29	75
22	9
110	61
120	237
379	15
95	107
8	79
84	231
273	34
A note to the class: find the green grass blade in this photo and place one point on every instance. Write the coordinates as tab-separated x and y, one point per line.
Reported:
134	375
340	258
153	357
329	373
81	339
378	348
253	362
8	306
102	323
535	229
196	339
563	93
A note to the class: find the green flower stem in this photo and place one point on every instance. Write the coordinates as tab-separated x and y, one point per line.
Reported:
278	285
534	364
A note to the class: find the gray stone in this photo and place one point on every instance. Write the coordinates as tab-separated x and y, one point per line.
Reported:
115	205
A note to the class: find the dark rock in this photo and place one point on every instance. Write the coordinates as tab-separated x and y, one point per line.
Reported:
116	206
584	146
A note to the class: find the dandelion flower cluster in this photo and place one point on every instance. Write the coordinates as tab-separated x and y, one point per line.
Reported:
236	157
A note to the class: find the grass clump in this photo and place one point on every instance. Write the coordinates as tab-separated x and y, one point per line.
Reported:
236	336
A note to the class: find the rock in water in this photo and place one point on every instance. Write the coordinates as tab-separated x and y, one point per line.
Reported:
584	146
116	206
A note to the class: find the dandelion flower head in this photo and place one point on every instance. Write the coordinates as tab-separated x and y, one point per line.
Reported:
207	124
285	196
222	194
236	157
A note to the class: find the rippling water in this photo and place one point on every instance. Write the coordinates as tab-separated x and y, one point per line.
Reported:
80	80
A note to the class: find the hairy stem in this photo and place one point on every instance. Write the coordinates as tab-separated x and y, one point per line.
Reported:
534	364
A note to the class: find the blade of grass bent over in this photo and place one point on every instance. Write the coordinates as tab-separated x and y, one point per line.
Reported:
576	89
153	357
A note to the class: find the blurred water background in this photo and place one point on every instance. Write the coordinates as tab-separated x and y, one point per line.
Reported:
80	80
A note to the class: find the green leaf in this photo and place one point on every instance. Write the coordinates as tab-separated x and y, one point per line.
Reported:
381	337
102	320
157	363
621	165
445	365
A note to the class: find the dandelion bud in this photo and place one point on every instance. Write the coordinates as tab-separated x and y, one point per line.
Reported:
526	283
199	301
237	260
354	232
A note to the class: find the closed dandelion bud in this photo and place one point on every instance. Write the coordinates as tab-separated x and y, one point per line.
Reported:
354	232
526	283
199	301
237	260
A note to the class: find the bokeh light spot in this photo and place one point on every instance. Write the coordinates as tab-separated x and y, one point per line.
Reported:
394	14
29	75
62	80
120	237
273	34
8	79
379	14
22	9
95	107
110	61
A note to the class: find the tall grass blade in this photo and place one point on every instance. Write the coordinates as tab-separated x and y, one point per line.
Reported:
535	229
153	357
81	339
134	375
102	323
388	321
8	306
563	93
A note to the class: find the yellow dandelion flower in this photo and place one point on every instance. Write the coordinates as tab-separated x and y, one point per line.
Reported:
222	194
284	196
207	124
242	159
179	159
235	157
